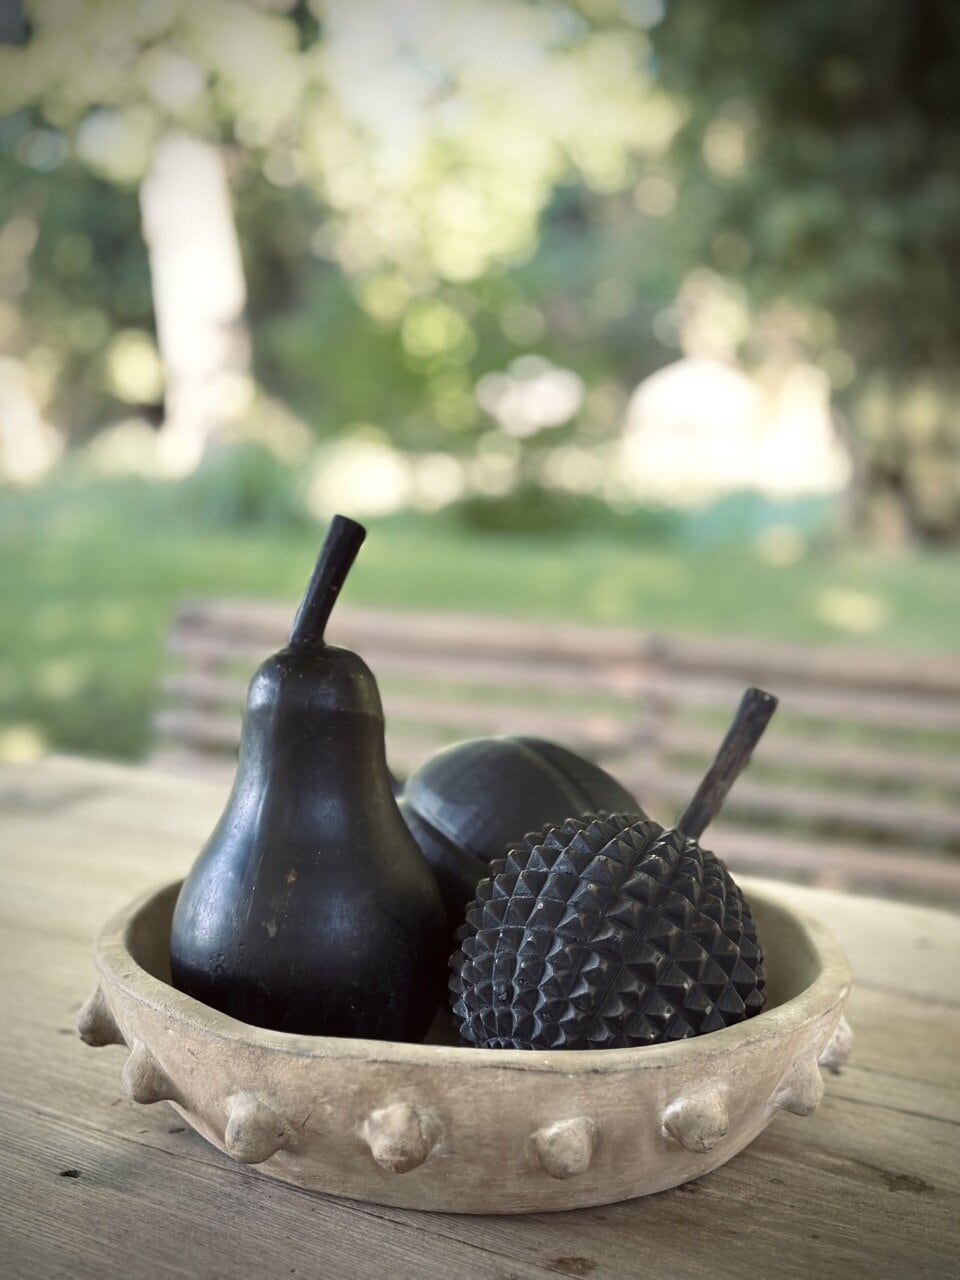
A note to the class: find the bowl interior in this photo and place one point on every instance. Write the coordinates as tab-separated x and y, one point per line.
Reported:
792	963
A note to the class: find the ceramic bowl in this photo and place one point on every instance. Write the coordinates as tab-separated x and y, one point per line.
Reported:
455	1129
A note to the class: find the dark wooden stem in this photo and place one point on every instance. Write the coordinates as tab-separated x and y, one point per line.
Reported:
340	546
753	716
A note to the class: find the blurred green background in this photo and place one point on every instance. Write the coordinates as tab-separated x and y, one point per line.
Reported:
627	311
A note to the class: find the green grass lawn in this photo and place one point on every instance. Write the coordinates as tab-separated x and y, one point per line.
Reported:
90	576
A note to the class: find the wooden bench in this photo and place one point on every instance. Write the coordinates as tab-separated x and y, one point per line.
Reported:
857	781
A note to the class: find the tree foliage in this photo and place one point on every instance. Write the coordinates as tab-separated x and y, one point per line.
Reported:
820	166
434	134
392	166
426	190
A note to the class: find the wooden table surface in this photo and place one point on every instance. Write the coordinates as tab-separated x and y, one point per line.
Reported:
94	1186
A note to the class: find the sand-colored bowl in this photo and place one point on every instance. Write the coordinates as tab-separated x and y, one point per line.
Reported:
448	1128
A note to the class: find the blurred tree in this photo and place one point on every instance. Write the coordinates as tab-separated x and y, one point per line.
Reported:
74	284
141	91
426	191
820	166
429	135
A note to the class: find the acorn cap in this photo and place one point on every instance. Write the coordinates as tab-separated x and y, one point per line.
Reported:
468	803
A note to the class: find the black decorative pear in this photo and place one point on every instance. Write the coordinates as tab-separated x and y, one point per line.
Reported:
468	802
310	909
611	932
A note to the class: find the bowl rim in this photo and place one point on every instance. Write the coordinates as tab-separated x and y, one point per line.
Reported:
827	991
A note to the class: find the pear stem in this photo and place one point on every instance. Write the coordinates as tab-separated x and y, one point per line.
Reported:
753	716
340	546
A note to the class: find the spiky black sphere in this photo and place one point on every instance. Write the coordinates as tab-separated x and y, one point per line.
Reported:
602	933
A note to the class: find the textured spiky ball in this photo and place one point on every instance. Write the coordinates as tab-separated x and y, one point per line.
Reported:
602	933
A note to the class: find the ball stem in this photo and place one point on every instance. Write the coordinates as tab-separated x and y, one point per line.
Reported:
753	716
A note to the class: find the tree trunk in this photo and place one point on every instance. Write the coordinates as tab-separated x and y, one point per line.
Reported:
29	446
198	297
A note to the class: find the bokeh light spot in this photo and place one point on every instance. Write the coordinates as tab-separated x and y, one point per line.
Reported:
21	743
859	612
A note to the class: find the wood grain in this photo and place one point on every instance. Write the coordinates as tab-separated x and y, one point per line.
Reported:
867	1187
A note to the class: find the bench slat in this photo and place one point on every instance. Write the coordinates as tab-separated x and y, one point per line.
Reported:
210	692
847	759
838	861
270	624
821	665
739	658
614	680
555	675
815	807
216	736
892	711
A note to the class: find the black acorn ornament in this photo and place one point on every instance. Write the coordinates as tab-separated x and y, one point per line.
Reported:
310	908
611	932
468	802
